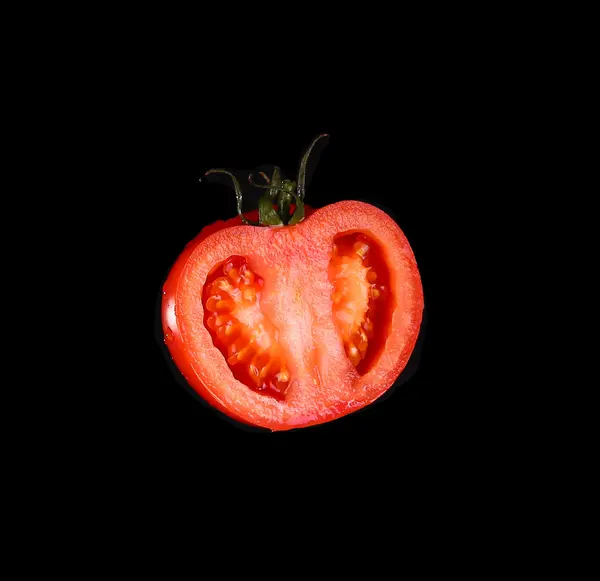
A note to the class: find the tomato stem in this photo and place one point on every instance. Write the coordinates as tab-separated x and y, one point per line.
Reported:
302	170
279	193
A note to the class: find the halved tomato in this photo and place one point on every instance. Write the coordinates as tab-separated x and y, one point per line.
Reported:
298	323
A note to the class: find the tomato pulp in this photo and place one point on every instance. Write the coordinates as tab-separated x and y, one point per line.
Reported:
297	325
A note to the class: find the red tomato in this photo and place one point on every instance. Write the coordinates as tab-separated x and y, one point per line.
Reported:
297	325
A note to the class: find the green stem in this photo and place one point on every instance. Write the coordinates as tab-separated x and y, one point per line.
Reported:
302	170
275	187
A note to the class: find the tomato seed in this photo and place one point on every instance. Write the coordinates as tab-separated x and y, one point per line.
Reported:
228	305
254	373
361	248
353	354
211	303
221	283
362	342
234	275
266	369
232	331
245	354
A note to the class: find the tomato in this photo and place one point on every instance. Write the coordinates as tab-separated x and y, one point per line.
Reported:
297	323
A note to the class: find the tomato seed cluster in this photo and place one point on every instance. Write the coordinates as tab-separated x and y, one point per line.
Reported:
251	350
355	291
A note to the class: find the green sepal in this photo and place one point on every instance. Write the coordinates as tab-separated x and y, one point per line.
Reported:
266	213
298	213
285	200
275	178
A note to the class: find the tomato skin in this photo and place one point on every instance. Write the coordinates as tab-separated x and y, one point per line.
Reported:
181	346
172	333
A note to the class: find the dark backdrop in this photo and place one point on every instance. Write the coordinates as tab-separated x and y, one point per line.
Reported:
412	154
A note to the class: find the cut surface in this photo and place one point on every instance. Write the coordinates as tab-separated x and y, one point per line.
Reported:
239	329
262	321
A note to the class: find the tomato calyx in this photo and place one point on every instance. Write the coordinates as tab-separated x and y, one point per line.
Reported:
282	204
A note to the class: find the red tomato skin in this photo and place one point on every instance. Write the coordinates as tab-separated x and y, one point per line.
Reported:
182	356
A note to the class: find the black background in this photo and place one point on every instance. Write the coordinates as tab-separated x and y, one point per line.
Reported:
415	127
413	154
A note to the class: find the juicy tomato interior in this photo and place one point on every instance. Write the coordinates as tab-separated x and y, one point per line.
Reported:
361	298
249	341
243	334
